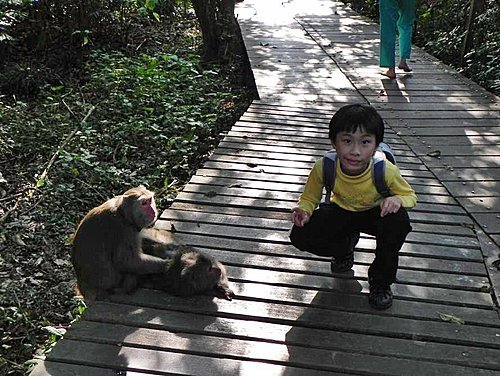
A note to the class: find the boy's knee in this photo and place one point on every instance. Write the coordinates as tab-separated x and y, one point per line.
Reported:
297	239
396	225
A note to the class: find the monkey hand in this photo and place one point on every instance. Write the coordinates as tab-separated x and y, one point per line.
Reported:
389	205
300	217
224	292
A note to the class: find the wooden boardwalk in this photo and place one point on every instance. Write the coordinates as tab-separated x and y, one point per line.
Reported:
291	316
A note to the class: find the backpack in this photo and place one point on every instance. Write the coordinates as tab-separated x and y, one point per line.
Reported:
383	153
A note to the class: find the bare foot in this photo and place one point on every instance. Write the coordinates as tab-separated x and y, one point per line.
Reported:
390	73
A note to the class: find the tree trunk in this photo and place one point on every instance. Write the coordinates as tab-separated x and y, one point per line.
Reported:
218	28
222	40
206	14
476	7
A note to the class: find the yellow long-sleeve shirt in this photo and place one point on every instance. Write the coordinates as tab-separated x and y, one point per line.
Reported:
355	193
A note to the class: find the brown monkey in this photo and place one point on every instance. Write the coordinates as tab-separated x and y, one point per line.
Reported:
189	272
106	253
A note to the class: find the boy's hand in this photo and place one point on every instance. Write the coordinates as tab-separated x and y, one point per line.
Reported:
390	205
299	217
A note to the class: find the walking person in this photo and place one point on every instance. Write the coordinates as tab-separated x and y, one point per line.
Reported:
396	18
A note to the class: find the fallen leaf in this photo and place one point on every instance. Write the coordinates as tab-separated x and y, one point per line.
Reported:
210	194
235	185
17	239
496	264
435	153
451	318
58	332
467	225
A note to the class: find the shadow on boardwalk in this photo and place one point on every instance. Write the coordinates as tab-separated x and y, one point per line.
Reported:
291	316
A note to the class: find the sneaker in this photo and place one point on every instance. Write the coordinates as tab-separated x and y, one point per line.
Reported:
345	263
380	297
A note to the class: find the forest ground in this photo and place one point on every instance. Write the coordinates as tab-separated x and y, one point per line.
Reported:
77	129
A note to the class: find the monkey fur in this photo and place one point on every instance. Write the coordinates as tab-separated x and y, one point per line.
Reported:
106	251
114	251
189	272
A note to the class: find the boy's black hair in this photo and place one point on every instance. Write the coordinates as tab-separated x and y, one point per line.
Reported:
352	116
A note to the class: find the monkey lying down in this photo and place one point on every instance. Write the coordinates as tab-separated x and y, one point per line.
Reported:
111	254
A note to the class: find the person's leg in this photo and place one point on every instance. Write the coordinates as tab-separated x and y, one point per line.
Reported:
407	14
390	232
326	233
388	23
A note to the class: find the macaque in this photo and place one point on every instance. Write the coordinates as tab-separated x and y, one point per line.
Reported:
115	251
107	253
189	272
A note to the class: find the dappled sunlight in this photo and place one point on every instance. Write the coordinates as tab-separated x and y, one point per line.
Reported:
277	12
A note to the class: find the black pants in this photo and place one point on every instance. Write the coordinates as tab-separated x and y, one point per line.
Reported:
327	234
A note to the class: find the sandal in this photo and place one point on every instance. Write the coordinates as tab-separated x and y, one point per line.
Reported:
405	68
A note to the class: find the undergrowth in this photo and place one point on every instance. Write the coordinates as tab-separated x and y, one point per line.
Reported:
118	120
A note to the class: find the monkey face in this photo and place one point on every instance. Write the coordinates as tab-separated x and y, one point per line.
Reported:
148	209
199	272
142	206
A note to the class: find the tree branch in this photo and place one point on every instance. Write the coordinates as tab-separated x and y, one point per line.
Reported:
65	142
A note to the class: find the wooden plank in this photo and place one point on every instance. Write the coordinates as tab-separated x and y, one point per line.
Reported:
442	251
461	140
281	304
235	320
467	174
489	222
483	100
417	227
261	134
462	162
410	133
280	199
207	198
191	364
303	144
464	114
473	188
44	368
394	92
141	336
433	106
148	360
277	181
481	204
189	218
424	147
222	161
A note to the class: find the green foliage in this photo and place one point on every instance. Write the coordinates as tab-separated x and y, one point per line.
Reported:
152	117
161	106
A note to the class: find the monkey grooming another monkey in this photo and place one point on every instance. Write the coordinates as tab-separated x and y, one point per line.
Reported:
106	252
114	252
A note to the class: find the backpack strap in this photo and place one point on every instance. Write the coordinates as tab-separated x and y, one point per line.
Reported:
378	172
378	175
329	173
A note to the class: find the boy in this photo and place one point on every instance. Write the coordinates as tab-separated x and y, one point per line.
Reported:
333	229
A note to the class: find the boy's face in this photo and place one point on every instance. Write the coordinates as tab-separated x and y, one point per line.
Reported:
355	150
